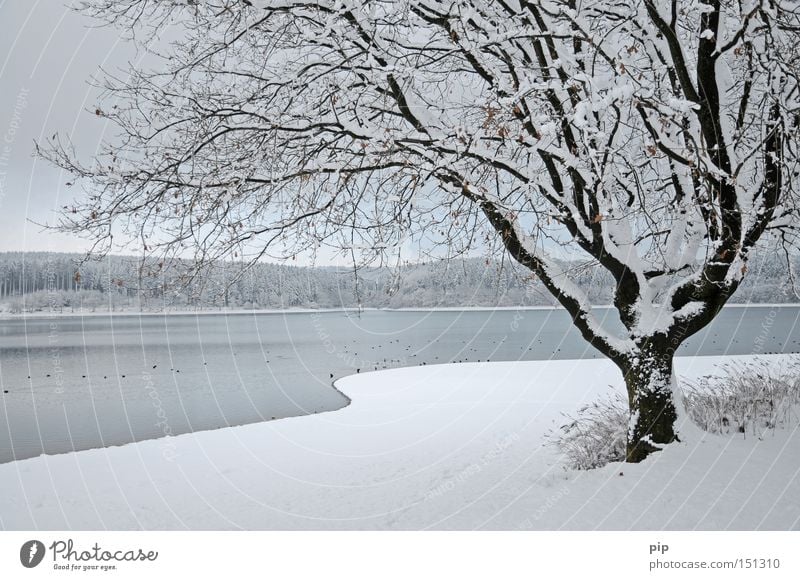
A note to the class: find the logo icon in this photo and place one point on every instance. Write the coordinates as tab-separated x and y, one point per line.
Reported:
31	553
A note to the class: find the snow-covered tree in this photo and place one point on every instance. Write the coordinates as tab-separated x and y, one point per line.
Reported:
655	137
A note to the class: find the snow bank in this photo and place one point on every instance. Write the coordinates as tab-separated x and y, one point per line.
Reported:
449	446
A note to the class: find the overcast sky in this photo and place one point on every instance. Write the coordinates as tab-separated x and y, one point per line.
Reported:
48	54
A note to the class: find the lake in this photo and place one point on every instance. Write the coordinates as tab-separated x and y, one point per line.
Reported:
77	382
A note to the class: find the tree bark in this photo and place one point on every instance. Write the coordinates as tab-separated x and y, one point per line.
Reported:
649	381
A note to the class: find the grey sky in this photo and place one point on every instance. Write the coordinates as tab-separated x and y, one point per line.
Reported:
47	56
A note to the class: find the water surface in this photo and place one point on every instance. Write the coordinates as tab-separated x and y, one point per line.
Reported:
83	382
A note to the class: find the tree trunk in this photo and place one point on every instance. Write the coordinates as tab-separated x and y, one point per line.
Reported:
649	380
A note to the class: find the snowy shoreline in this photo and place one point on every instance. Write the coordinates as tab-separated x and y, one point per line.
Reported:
456	446
36	315
270	311
594	307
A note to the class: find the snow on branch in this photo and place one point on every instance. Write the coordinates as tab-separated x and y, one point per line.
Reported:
657	138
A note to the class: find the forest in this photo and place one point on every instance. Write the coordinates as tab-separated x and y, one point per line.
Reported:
61	282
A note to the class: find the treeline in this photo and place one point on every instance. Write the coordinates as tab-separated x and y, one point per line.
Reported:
33	282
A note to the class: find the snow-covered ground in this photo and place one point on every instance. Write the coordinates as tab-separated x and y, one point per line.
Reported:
449	446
